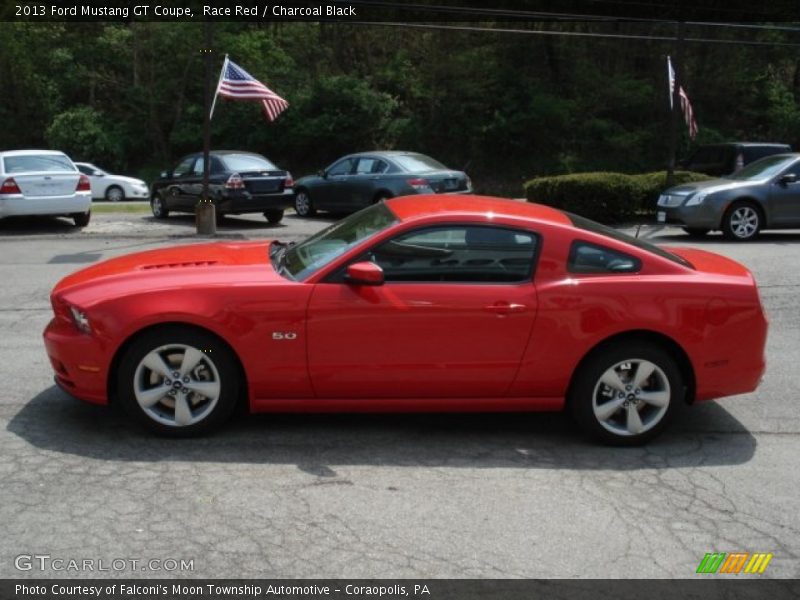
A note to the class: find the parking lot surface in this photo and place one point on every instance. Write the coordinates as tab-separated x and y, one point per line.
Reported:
390	495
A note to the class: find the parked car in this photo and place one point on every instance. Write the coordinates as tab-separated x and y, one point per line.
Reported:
763	195
239	182
113	187
723	159
43	182
358	180
422	303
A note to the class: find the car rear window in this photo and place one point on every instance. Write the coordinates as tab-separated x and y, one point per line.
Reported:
37	162
416	163
587	225
247	162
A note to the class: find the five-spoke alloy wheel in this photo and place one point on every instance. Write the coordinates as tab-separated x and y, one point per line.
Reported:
178	380
626	393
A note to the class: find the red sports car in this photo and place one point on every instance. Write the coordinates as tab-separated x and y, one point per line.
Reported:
423	303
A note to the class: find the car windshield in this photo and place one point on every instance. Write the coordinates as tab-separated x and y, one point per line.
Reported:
303	260
586	224
37	162
247	162
763	169
417	163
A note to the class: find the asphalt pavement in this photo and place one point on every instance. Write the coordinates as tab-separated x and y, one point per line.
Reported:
412	496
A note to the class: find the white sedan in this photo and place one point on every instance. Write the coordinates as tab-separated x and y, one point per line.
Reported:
113	187
43	182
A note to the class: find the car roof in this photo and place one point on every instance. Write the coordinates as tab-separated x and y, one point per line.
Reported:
386	153
30	152
411	207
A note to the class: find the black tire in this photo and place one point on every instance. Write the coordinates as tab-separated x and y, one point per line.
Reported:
82	219
381	197
114	193
742	221
303	205
696	232
589	393
159	207
133	374
274	216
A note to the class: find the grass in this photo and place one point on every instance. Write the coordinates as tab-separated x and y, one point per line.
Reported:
120	207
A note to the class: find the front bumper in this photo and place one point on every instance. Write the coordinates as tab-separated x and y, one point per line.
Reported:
245	202
79	360
17	205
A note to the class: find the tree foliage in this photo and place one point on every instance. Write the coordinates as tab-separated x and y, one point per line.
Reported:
507	107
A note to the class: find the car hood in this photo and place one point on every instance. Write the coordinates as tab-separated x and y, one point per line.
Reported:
711	186
193	265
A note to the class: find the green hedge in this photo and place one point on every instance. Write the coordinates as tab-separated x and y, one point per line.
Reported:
605	197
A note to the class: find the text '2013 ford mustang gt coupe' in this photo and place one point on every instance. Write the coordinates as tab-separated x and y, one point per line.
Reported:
423	303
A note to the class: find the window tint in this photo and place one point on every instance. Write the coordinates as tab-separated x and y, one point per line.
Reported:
585	257
37	162
343	167
465	253
247	162
183	167
85	170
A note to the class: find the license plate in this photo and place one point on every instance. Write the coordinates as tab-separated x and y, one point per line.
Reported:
661	216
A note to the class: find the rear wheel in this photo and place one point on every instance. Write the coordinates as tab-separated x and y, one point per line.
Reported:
627	393
696	232
159	207
742	222
82	219
115	194
303	205
178	381
274	216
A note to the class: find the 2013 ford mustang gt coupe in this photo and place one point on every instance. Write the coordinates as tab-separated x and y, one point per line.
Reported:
423	303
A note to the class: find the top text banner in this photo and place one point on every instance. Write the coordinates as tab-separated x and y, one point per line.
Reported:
396	11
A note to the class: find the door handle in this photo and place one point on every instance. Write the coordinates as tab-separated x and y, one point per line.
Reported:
505	308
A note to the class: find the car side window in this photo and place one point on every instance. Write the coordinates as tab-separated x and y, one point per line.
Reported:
458	254
199	166
365	166
793	170
184	167
343	167
585	257
85	170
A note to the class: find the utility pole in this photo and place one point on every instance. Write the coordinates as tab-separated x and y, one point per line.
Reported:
205	212
675	113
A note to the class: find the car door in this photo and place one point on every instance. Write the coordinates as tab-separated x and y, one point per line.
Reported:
330	192
174	192
452	319
784	198
365	182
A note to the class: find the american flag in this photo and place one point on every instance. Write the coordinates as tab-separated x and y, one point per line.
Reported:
686	106
238	84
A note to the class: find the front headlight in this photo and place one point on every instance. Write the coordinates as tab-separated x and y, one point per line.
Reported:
80	319
697	199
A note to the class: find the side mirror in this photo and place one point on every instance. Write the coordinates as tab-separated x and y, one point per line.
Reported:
322	173
788	178
364	273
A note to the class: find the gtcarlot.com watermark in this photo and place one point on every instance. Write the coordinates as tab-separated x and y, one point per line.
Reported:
46	562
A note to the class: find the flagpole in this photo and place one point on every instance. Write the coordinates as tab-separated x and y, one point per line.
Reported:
219	83
675	103
205	213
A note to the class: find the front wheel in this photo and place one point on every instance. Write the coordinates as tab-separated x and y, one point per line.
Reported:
274	216
626	394
115	194
178	381
159	207
742	222
303	205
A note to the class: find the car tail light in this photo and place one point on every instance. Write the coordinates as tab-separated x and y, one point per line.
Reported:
289	181
235	182
84	185
10	187
419	184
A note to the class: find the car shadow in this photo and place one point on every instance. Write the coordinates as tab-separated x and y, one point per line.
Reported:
317	443
37	225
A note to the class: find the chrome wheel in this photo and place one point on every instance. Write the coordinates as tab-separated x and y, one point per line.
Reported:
177	385
744	222
115	194
631	397
302	204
